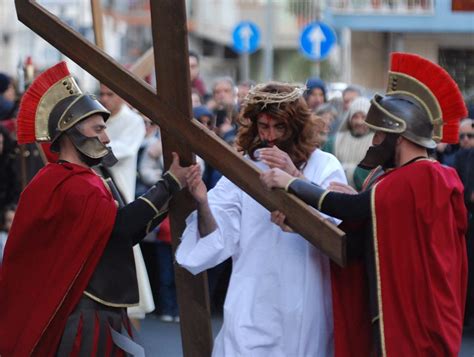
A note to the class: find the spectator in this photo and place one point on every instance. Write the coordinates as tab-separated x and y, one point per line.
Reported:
351	142
7	97
242	91
9	181
464	164
224	96
126	131
315	93
6	220
167	301
196	82
204	116
207	118
195	98
328	115
348	95
147	171
224	93
446	153
466	134
150	169
342	105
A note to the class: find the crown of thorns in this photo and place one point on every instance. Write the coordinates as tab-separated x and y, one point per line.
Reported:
258	95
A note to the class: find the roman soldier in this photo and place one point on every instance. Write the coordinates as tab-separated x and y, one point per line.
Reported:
68	273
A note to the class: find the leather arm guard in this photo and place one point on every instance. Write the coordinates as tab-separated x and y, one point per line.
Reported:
132	224
309	192
139	217
338	205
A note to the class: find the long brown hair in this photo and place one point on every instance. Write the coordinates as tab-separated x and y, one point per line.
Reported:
283	102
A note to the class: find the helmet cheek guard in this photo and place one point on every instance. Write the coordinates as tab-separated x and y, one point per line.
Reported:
402	114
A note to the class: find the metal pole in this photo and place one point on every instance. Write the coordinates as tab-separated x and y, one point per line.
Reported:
317	69
317	64
244	66
346	55
268	54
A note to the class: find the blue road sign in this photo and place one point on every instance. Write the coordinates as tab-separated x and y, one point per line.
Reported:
317	40
246	37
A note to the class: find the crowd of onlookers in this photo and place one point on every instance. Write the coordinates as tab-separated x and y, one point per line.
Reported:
341	130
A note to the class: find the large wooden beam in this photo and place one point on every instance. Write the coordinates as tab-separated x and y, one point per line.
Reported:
170	45
215	151
144	65
98	23
192	291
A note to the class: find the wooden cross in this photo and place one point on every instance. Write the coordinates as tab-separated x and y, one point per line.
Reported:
170	107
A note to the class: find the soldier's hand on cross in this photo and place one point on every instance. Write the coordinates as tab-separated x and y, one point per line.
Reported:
178	171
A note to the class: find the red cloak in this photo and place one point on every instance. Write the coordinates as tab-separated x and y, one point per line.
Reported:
419	224
63	222
351	314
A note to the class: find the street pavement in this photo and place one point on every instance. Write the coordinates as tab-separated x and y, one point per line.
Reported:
163	339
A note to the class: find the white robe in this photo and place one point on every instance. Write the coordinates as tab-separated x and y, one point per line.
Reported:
279	300
126	131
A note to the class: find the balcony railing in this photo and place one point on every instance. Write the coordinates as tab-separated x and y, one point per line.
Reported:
380	7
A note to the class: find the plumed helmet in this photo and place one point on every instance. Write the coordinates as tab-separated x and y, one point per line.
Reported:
422	103
71	110
52	104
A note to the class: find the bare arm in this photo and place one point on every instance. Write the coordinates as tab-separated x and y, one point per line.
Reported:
206	221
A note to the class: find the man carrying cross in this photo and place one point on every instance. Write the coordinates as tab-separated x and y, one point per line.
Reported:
279	298
68	273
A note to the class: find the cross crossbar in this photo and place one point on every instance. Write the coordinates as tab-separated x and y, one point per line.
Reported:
215	151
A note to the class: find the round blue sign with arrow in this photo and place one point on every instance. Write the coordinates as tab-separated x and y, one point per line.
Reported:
246	37
316	40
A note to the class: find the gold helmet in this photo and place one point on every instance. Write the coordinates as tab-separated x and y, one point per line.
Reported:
52	106
422	103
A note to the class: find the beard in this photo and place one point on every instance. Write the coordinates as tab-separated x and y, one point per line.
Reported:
382	154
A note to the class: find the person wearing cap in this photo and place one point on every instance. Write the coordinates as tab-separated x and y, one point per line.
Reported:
68	271
278	301
7	97
315	93
204	115
464	165
410	226
351	142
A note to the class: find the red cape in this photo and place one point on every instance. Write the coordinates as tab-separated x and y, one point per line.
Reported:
63	222
351	314
419	225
